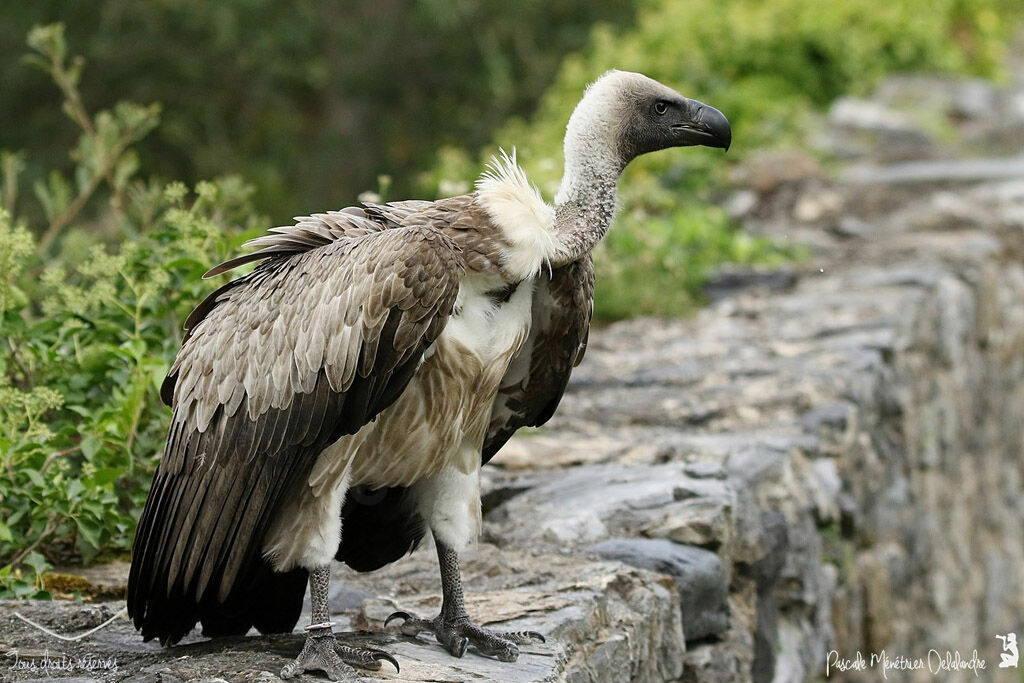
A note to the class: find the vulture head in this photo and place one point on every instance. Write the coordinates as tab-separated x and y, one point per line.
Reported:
624	114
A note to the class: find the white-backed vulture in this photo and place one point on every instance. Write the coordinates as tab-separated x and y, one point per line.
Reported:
339	401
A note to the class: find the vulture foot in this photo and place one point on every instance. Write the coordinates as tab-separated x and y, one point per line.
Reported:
323	653
458	633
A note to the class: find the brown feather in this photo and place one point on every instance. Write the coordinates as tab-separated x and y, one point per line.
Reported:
216	491
537	377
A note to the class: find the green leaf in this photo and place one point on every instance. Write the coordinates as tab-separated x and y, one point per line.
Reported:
5	533
36	478
37	562
54	196
104	476
23	590
75	489
90	532
90	445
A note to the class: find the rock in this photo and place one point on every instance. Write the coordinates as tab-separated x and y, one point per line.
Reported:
869	115
597	616
817	205
769	171
698	573
774	544
593	503
868	128
730	280
852	227
715	662
741	203
343	598
946	171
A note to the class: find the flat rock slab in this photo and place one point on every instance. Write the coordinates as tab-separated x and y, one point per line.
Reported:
699	575
595	615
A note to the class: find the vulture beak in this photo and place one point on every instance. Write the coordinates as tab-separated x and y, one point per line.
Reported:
702	125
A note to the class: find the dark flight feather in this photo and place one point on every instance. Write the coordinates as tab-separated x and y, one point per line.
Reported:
225	473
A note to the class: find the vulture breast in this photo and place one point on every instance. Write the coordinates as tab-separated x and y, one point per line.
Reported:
439	421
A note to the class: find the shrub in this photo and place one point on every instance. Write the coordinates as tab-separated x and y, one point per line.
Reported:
88	334
767	64
310	100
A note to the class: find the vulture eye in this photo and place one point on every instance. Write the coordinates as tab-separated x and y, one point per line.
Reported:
660	107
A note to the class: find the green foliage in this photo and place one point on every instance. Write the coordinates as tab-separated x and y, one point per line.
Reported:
767	64
308	99
668	261
87	335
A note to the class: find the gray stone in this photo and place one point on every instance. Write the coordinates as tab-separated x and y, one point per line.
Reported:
593	503
343	599
569	599
920	172
852	227
731	280
698	573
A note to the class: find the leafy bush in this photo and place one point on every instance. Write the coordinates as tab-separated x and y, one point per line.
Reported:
308	99
669	261
767	64
87	335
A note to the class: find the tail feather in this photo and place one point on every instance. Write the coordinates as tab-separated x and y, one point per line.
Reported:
378	527
267	600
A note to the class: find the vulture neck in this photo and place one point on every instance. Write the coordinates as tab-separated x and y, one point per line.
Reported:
586	199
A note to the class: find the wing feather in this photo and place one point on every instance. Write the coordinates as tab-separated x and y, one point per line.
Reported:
536	378
262	384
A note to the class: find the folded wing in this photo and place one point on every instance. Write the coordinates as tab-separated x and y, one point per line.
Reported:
275	366
563	305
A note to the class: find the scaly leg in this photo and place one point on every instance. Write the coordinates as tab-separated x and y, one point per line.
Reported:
322	651
452	626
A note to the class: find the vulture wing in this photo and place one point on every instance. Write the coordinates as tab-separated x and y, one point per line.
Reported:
275	366
563	304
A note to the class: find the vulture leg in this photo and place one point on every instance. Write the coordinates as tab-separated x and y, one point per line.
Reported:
452	626
321	651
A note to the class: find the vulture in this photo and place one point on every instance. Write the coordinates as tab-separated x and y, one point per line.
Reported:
338	402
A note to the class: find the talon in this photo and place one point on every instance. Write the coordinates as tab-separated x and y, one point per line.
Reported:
460	649
404	616
382	656
509	654
534	635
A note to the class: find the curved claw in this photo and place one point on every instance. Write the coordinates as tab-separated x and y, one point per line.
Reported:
365	658
456	635
404	616
382	656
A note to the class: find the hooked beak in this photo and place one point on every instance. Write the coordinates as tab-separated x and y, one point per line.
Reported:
703	125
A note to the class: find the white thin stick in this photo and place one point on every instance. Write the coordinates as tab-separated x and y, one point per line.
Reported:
123	612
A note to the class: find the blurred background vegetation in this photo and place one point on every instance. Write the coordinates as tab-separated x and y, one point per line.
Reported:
143	142
309	101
